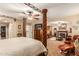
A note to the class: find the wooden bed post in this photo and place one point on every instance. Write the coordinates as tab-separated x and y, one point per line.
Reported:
44	12
24	27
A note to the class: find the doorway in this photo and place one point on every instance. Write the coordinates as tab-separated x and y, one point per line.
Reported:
3	31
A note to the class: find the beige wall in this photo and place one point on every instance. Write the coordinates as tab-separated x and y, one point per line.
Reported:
72	22
73	19
13	28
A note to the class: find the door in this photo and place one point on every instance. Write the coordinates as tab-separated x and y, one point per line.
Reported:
38	33
2	32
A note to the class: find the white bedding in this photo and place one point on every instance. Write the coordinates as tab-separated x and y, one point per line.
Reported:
21	46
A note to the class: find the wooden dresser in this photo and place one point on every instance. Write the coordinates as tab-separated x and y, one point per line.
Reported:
38	35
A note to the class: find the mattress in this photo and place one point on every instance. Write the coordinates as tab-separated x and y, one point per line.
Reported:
21	46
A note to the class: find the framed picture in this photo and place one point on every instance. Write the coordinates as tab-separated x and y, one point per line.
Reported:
19	26
38	26
63	26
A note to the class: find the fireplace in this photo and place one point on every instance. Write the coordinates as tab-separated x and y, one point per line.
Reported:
60	35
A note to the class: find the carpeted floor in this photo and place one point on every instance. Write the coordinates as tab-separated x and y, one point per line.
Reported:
52	46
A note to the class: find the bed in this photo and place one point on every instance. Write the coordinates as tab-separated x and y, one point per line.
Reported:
21	46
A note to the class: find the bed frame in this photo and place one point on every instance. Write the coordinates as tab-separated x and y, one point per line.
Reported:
43	53
44	41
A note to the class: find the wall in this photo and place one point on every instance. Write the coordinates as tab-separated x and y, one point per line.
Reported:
13	28
75	27
73	20
30	26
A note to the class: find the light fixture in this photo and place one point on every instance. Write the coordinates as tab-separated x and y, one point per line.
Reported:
33	7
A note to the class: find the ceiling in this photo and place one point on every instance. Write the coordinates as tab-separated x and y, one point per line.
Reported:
54	9
14	9
59	9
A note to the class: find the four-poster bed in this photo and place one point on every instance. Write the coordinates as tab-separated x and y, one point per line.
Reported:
41	34
23	46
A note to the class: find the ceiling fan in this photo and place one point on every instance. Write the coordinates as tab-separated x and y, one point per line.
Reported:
31	14
28	13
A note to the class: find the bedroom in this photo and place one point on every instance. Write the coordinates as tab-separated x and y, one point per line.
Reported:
13	30
29	24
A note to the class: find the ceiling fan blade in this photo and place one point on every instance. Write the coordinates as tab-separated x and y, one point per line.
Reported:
36	18
36	15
